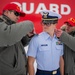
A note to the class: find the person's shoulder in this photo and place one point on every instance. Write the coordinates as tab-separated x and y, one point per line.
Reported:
42	34
38	36
35	36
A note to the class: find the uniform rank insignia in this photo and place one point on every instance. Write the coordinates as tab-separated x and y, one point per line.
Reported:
58	43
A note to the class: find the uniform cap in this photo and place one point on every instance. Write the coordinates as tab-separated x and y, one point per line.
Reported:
50	15
15	7
71	21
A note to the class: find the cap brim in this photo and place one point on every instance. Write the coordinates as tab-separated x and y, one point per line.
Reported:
66	22
22	14
69	23
46	21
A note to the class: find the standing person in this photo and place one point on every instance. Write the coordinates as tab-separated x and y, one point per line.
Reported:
13	38
46	48
68	38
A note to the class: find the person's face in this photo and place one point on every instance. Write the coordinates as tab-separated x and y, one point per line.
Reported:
49	27
69	28
13	15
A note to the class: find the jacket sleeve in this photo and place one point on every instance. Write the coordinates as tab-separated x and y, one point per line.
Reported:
68	40
25	40
11	34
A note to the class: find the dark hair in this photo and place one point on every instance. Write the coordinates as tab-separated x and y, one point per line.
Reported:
50	21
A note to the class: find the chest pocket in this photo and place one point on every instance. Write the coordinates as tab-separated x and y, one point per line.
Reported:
59	50
44	47
59	47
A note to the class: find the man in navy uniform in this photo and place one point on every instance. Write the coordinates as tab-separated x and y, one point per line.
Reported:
46	48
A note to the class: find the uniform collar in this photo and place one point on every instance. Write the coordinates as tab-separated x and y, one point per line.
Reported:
46	35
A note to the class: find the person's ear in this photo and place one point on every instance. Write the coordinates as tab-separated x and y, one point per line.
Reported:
6	12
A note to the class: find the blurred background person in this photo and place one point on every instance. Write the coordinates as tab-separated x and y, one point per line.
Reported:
68	38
